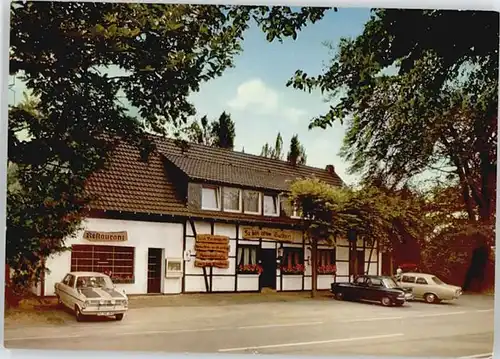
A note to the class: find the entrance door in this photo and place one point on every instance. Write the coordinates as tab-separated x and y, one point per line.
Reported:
268	261
154	270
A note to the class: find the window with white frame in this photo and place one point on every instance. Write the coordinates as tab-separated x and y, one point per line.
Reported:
210	198
271	205
252	202
231	199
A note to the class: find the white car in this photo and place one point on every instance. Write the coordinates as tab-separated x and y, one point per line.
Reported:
89	293
429	287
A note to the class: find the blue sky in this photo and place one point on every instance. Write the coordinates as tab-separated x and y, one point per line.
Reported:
255	95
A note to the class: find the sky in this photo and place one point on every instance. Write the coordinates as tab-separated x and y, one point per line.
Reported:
260	104
254	92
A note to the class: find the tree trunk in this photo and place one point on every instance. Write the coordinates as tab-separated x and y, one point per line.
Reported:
370	257
314	267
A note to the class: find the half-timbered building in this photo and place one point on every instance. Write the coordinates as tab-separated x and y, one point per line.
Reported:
201	219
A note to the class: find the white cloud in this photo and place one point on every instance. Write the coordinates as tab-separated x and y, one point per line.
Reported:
294	114
255	95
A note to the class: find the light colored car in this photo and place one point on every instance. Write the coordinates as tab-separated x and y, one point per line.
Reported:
429	287
90	293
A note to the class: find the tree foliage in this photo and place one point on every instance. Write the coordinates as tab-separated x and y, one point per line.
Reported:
78	59
220	133
377	215
418	90
274	152
297	153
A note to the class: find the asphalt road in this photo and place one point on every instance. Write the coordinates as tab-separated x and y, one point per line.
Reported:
459	329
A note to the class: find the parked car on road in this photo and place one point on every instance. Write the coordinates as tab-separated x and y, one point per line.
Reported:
89	293
429	287
372	288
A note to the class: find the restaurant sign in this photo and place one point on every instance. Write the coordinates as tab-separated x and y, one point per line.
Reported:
105	236
267	233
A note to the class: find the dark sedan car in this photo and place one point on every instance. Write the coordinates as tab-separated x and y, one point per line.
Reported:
372	288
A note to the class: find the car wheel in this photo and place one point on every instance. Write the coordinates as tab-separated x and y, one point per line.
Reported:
119	316
78	314
339	296
431	298
386	301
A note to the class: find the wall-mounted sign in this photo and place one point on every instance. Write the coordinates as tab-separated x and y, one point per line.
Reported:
267	233
211	251
105	236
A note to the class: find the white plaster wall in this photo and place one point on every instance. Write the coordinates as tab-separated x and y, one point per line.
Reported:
223	284
189	267
342	253
373	253
342	268
372	269
307	263
324	281
141	235
249	242
223	229
307	283
278	284
201	228
269	245
342	279
230	270
194	284
380	263
292	282
248	282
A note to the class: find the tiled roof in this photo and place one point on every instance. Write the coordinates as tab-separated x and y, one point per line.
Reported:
130	185
225	166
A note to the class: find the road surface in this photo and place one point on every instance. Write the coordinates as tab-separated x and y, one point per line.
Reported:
460	329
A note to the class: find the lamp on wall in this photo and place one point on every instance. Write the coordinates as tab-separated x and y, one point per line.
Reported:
280	253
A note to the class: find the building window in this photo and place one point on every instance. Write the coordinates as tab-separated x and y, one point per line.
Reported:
210	198
326	261
247	260
251	202
296	211
117	262
271	205
231	199
293	261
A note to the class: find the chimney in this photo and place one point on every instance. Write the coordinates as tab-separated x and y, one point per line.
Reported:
330	169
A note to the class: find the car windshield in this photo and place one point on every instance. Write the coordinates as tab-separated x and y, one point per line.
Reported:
390	283
437	280
93	282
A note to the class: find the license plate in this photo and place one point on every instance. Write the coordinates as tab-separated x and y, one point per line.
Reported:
104	314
